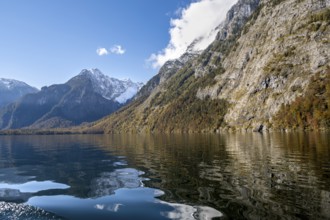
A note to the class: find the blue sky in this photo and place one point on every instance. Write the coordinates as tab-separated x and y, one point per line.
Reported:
44	42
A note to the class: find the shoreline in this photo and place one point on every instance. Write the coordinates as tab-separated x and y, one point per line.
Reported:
88	132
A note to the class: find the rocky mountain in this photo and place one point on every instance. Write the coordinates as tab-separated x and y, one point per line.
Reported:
11	90
268	68
110	88
86	97
165	72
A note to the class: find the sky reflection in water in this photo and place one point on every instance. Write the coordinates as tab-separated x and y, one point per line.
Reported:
34	186
115	191
235	176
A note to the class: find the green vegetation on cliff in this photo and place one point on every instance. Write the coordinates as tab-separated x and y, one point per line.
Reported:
176	109
311	111
182	110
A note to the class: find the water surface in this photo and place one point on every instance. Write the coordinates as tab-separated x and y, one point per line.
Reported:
218	176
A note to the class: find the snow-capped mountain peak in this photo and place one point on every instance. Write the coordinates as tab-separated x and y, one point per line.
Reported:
11	84
111	88
11	90
92	72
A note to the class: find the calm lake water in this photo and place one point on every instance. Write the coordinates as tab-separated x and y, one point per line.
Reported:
218	176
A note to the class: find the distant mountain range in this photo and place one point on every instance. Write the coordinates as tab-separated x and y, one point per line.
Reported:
85	98
11	90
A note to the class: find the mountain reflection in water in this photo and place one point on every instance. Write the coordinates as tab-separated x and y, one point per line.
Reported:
239	176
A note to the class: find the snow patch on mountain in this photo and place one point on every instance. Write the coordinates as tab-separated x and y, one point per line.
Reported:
112	88
128	94
12	90
11	84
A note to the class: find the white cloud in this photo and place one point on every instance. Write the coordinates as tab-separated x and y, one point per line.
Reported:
198	22
102	51
117	49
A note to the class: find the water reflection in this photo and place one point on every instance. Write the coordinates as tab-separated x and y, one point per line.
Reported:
34	186
109	182
136	203
188	212
278	175
74	178
60	159
239	176
286	175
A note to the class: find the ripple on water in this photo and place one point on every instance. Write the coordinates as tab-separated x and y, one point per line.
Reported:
12	211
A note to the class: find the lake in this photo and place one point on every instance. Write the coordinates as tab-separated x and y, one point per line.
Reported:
196	176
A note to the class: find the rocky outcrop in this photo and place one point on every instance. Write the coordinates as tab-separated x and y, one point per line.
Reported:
236	18
229	31
165	72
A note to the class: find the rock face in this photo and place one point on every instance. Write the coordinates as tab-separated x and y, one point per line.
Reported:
236	18
165	72
11	90
279	50
87	97
268	56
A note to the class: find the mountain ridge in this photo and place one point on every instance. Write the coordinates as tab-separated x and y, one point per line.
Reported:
110	88
82	99
263	59
11	90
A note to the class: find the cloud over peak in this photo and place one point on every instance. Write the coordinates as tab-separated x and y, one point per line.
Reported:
115	49
197	23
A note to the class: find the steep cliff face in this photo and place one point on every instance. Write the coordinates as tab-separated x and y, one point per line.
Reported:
166	72
273	60
267	54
